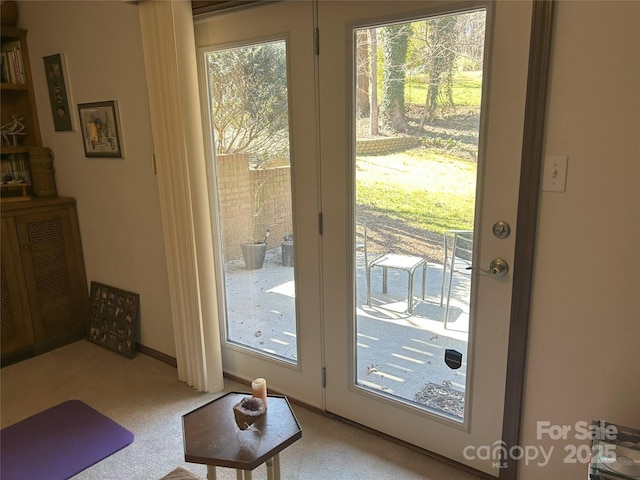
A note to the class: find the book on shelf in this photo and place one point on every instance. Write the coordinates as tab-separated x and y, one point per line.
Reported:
4	72
14	168
12	63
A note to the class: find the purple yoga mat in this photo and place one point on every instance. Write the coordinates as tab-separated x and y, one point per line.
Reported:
59	442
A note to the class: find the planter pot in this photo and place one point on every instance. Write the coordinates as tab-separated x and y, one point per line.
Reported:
287	251
253	254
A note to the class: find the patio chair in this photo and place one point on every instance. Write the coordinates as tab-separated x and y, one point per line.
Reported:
386	261
462	248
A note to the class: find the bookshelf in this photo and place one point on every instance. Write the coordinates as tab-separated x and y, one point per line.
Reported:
16	177
19	116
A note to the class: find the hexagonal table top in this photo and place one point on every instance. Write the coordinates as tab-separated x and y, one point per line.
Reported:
211	436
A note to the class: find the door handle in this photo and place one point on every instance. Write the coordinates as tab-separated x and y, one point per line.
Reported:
497	268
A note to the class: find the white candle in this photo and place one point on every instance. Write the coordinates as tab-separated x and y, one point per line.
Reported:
259	389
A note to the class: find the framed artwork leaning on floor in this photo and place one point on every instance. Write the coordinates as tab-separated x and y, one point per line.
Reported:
113	321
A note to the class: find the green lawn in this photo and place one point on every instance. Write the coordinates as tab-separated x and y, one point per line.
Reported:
428	189
466	90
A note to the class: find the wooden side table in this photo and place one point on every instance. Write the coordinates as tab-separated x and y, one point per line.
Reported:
211	436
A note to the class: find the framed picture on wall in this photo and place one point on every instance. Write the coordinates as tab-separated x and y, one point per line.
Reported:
59	95
100	129
113	318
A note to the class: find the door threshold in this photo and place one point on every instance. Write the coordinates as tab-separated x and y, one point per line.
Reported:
346	421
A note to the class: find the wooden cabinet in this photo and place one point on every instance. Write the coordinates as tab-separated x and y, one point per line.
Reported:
44	288
44	299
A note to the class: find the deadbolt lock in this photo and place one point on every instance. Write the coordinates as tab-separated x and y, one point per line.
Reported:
501	229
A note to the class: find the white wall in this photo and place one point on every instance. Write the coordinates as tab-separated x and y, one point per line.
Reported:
584	343
118	204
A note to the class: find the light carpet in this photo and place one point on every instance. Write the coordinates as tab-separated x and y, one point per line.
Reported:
145	396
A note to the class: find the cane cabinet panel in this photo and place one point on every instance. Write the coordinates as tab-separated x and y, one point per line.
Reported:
44	288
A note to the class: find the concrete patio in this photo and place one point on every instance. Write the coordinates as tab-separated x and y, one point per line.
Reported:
398	353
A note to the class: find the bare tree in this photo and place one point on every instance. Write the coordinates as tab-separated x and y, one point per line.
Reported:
362	73
249	100
441	40
471	29
373	68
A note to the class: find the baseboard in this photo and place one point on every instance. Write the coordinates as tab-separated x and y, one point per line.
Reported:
153	353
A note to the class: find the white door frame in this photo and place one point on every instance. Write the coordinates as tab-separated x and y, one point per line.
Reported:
302	380
523	268
506	77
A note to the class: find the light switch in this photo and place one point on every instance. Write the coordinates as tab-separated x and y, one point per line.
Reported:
554	177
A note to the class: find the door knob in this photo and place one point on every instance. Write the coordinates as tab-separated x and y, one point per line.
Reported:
498	267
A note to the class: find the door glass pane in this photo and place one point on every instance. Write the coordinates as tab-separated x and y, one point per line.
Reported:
417	120
248	96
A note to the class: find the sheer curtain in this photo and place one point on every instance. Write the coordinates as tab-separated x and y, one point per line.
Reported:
170	62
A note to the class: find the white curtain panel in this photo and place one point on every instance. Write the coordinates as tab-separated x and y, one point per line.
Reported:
170	62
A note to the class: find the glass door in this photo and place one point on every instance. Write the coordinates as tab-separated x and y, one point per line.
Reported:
249	97
401	144
421	135
415	182
258	84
